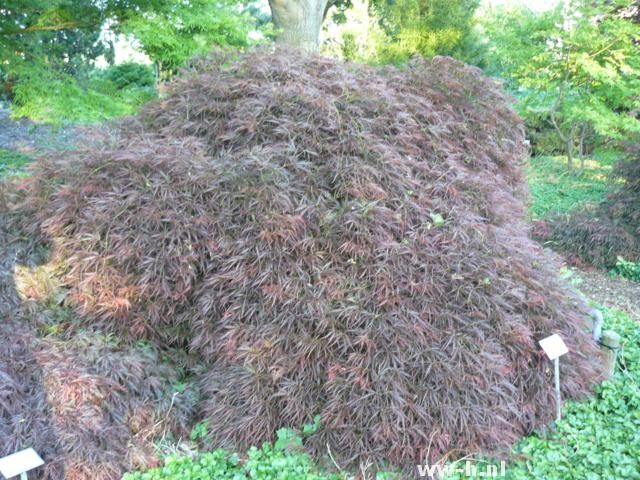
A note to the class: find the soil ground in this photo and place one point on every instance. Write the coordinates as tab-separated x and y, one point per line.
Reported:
615	292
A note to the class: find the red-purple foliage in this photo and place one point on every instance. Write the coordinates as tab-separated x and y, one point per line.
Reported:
89	404
331	239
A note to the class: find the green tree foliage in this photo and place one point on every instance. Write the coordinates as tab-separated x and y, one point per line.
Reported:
130	74
177	30
61	35
47	54
428	28
575	69
48	50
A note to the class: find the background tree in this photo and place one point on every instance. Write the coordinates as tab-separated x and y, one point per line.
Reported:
298	22
49	49
61	35
173	32
428	28
575	68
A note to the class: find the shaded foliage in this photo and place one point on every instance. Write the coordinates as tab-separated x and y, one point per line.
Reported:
332	240
602	233
130	75
625	202
587	237
431	28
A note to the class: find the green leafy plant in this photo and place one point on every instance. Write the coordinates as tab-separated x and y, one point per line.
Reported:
12	162
313	427
200	431
265	463
437	219
290	439
55	98
627	269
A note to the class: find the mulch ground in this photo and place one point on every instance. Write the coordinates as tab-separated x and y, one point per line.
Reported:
615	292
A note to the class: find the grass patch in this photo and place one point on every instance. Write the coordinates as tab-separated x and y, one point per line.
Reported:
12	162
554	189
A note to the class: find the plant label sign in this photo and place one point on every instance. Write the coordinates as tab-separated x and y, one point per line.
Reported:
19	463
553	346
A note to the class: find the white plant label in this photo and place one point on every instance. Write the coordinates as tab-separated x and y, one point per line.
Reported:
553	346
20	462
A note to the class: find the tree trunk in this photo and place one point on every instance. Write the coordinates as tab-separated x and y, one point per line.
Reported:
570	139
583	154
299	22
570	155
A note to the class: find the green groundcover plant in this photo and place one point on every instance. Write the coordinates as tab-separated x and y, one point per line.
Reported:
627	269
283	460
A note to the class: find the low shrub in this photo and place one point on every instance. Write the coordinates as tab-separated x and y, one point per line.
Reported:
331	239
595	439
91	404
627	269
599	233
127	75
587	237
624	204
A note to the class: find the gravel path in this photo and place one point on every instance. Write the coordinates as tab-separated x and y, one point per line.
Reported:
27	135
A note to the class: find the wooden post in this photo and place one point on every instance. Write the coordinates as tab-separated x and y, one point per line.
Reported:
611	343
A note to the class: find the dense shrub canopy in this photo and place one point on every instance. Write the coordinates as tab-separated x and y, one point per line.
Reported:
89	403
330	239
